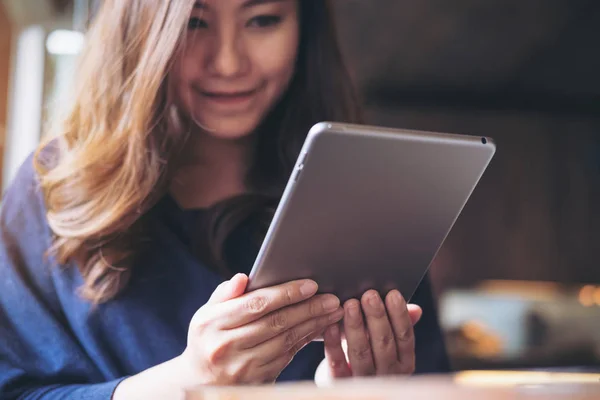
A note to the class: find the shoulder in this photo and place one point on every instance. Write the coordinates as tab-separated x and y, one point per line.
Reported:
24	198
25	235
25	238
23	201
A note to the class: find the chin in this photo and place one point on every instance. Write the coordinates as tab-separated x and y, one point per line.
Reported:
230	128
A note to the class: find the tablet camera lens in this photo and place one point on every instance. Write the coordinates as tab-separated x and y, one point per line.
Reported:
483	140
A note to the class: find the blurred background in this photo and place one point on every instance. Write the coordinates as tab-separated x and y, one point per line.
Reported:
518	279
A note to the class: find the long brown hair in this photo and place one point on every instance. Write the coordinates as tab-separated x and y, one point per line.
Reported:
115	152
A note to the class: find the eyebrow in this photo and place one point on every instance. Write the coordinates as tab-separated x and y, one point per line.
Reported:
247	3
252	3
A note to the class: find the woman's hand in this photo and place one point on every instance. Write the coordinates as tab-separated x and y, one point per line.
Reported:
380	343
238	338
250	338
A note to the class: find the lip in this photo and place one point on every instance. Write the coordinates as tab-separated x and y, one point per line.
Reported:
226	98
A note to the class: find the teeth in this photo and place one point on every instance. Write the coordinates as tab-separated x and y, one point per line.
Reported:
241	94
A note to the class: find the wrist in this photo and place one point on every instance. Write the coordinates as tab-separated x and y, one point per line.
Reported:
186	372
171	379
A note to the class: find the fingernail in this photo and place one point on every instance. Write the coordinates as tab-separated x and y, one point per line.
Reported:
236	276
374	301
308	288
331	303
334	332
353	311
397	299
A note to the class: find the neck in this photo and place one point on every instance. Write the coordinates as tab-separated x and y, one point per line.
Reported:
211	170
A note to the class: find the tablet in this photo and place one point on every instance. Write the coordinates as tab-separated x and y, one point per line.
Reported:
368	208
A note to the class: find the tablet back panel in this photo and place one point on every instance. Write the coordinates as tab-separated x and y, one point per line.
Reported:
369	208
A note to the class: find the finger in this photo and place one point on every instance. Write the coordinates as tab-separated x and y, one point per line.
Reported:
274	367
381	335
415	312
255	305
285	319
403	331
334	353
292	340
230	289
359	347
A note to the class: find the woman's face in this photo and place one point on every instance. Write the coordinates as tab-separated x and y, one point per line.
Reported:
238	60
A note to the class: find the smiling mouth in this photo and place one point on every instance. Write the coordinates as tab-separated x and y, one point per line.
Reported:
228	94
229	98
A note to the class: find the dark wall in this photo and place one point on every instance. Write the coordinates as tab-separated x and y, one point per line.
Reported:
534	215
524	73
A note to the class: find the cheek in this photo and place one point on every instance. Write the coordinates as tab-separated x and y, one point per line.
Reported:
275	57
181	75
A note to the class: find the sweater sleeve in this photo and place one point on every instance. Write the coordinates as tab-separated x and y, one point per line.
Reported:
40	358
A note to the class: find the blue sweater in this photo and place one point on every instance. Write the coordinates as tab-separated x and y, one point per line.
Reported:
54	346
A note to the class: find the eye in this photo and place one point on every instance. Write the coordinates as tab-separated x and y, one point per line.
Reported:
197	23
264	21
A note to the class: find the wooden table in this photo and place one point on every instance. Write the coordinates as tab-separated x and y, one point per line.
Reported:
464	386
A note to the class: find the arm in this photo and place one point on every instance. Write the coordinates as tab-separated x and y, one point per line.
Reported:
236	337
240	354
39	357
168	380
56	392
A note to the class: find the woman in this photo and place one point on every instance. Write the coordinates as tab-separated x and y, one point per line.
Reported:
152	199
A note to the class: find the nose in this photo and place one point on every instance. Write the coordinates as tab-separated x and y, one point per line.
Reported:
228	56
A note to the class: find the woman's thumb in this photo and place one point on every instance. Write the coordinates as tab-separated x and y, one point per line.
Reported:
230	289
415	312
